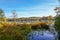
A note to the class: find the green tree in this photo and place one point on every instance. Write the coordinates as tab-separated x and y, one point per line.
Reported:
1	15
57	24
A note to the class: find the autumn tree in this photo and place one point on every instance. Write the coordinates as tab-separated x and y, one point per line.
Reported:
50	18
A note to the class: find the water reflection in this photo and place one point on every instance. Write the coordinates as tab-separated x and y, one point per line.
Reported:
43	34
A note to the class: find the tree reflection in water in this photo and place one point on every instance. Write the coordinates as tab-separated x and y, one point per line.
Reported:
43	34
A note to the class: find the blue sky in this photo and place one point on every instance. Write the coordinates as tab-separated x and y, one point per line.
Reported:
29	8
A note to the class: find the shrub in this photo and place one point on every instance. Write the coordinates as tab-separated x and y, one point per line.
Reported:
1	25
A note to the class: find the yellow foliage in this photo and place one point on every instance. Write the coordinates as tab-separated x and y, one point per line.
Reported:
42	23
50	17
5	19
1	25
50	22
5	23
